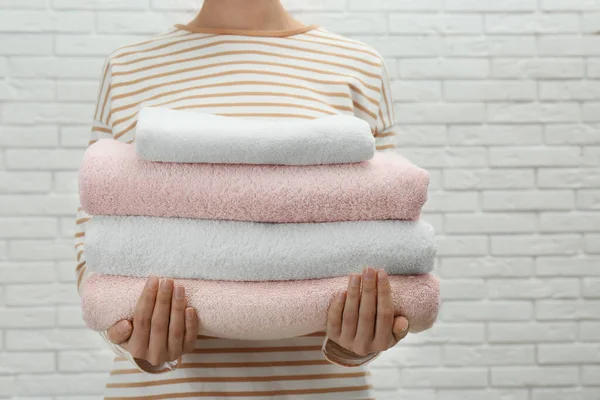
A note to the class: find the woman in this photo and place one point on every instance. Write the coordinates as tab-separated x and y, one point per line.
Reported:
246	59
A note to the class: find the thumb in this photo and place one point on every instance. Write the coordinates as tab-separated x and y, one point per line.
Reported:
400	328
119	332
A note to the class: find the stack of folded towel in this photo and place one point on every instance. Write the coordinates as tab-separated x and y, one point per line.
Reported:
261	222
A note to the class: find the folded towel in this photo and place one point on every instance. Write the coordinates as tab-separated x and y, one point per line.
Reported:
257	310
252	251
163	134
113	181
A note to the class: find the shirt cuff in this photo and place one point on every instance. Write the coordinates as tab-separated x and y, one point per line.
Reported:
142	365
336	354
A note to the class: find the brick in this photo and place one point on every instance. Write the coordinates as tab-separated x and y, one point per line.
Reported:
292	5
478	394
101	4
41	250
407	356
590	375
592	243
567	309
52	339
591	112
476	135
180	5
533	112
567	90
422	135
25	182
391	394
28	89
569	45
408	90
483	267
98	45
403	46
486	311
440	113
16	363
88	361
43	159
65	182
30	272
33	385
451	333
462	289
565	134
528	200
23	4
69	316
44	294
456	68
558	5
76	136
464	179
589	331
542	156
572	353
446	157
136	22
531	332
490	223
44	22
38	205
591	156
475	356
29	136
537	68
568	178
489	46
40	113
444	378
570	222
567	266
563	288
593	68
491	5
77	91
532	23
25	318
25	44
3	66
436	23
396	5
463	245
591	287
490	90
28	228
56	67
538	245
547	376
564	394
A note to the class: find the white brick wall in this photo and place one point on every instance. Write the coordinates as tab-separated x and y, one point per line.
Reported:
499	99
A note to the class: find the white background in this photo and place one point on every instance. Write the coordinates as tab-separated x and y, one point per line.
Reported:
499	99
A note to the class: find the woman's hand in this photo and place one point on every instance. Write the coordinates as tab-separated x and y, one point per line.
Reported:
163	327
363	321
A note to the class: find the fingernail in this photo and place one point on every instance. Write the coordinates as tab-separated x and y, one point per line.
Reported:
179	292
404	325
124	327
189	313
166	284
355	280
369	274
341	297
152	283
382	276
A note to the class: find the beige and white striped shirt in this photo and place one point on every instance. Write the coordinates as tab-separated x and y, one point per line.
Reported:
295	74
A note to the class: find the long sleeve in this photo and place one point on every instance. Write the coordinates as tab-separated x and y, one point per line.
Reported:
101	129
384	132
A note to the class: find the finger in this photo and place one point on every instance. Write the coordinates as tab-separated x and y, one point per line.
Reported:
350	314
400	329
176	323
119	332
191	330
142	318
159	330
334	317
367	312
385	313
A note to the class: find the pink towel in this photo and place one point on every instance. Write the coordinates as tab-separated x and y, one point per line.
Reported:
257	310
113	181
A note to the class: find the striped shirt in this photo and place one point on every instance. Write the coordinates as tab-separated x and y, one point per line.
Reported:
287	75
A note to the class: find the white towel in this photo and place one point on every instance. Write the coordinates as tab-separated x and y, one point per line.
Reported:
185	136
250	251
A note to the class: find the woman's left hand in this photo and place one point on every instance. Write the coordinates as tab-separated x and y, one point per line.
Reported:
362	321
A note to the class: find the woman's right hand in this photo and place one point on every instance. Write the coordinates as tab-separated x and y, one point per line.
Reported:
163	327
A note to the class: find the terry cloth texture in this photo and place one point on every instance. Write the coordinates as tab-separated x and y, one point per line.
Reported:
114	181
257	310
164	134
251	251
